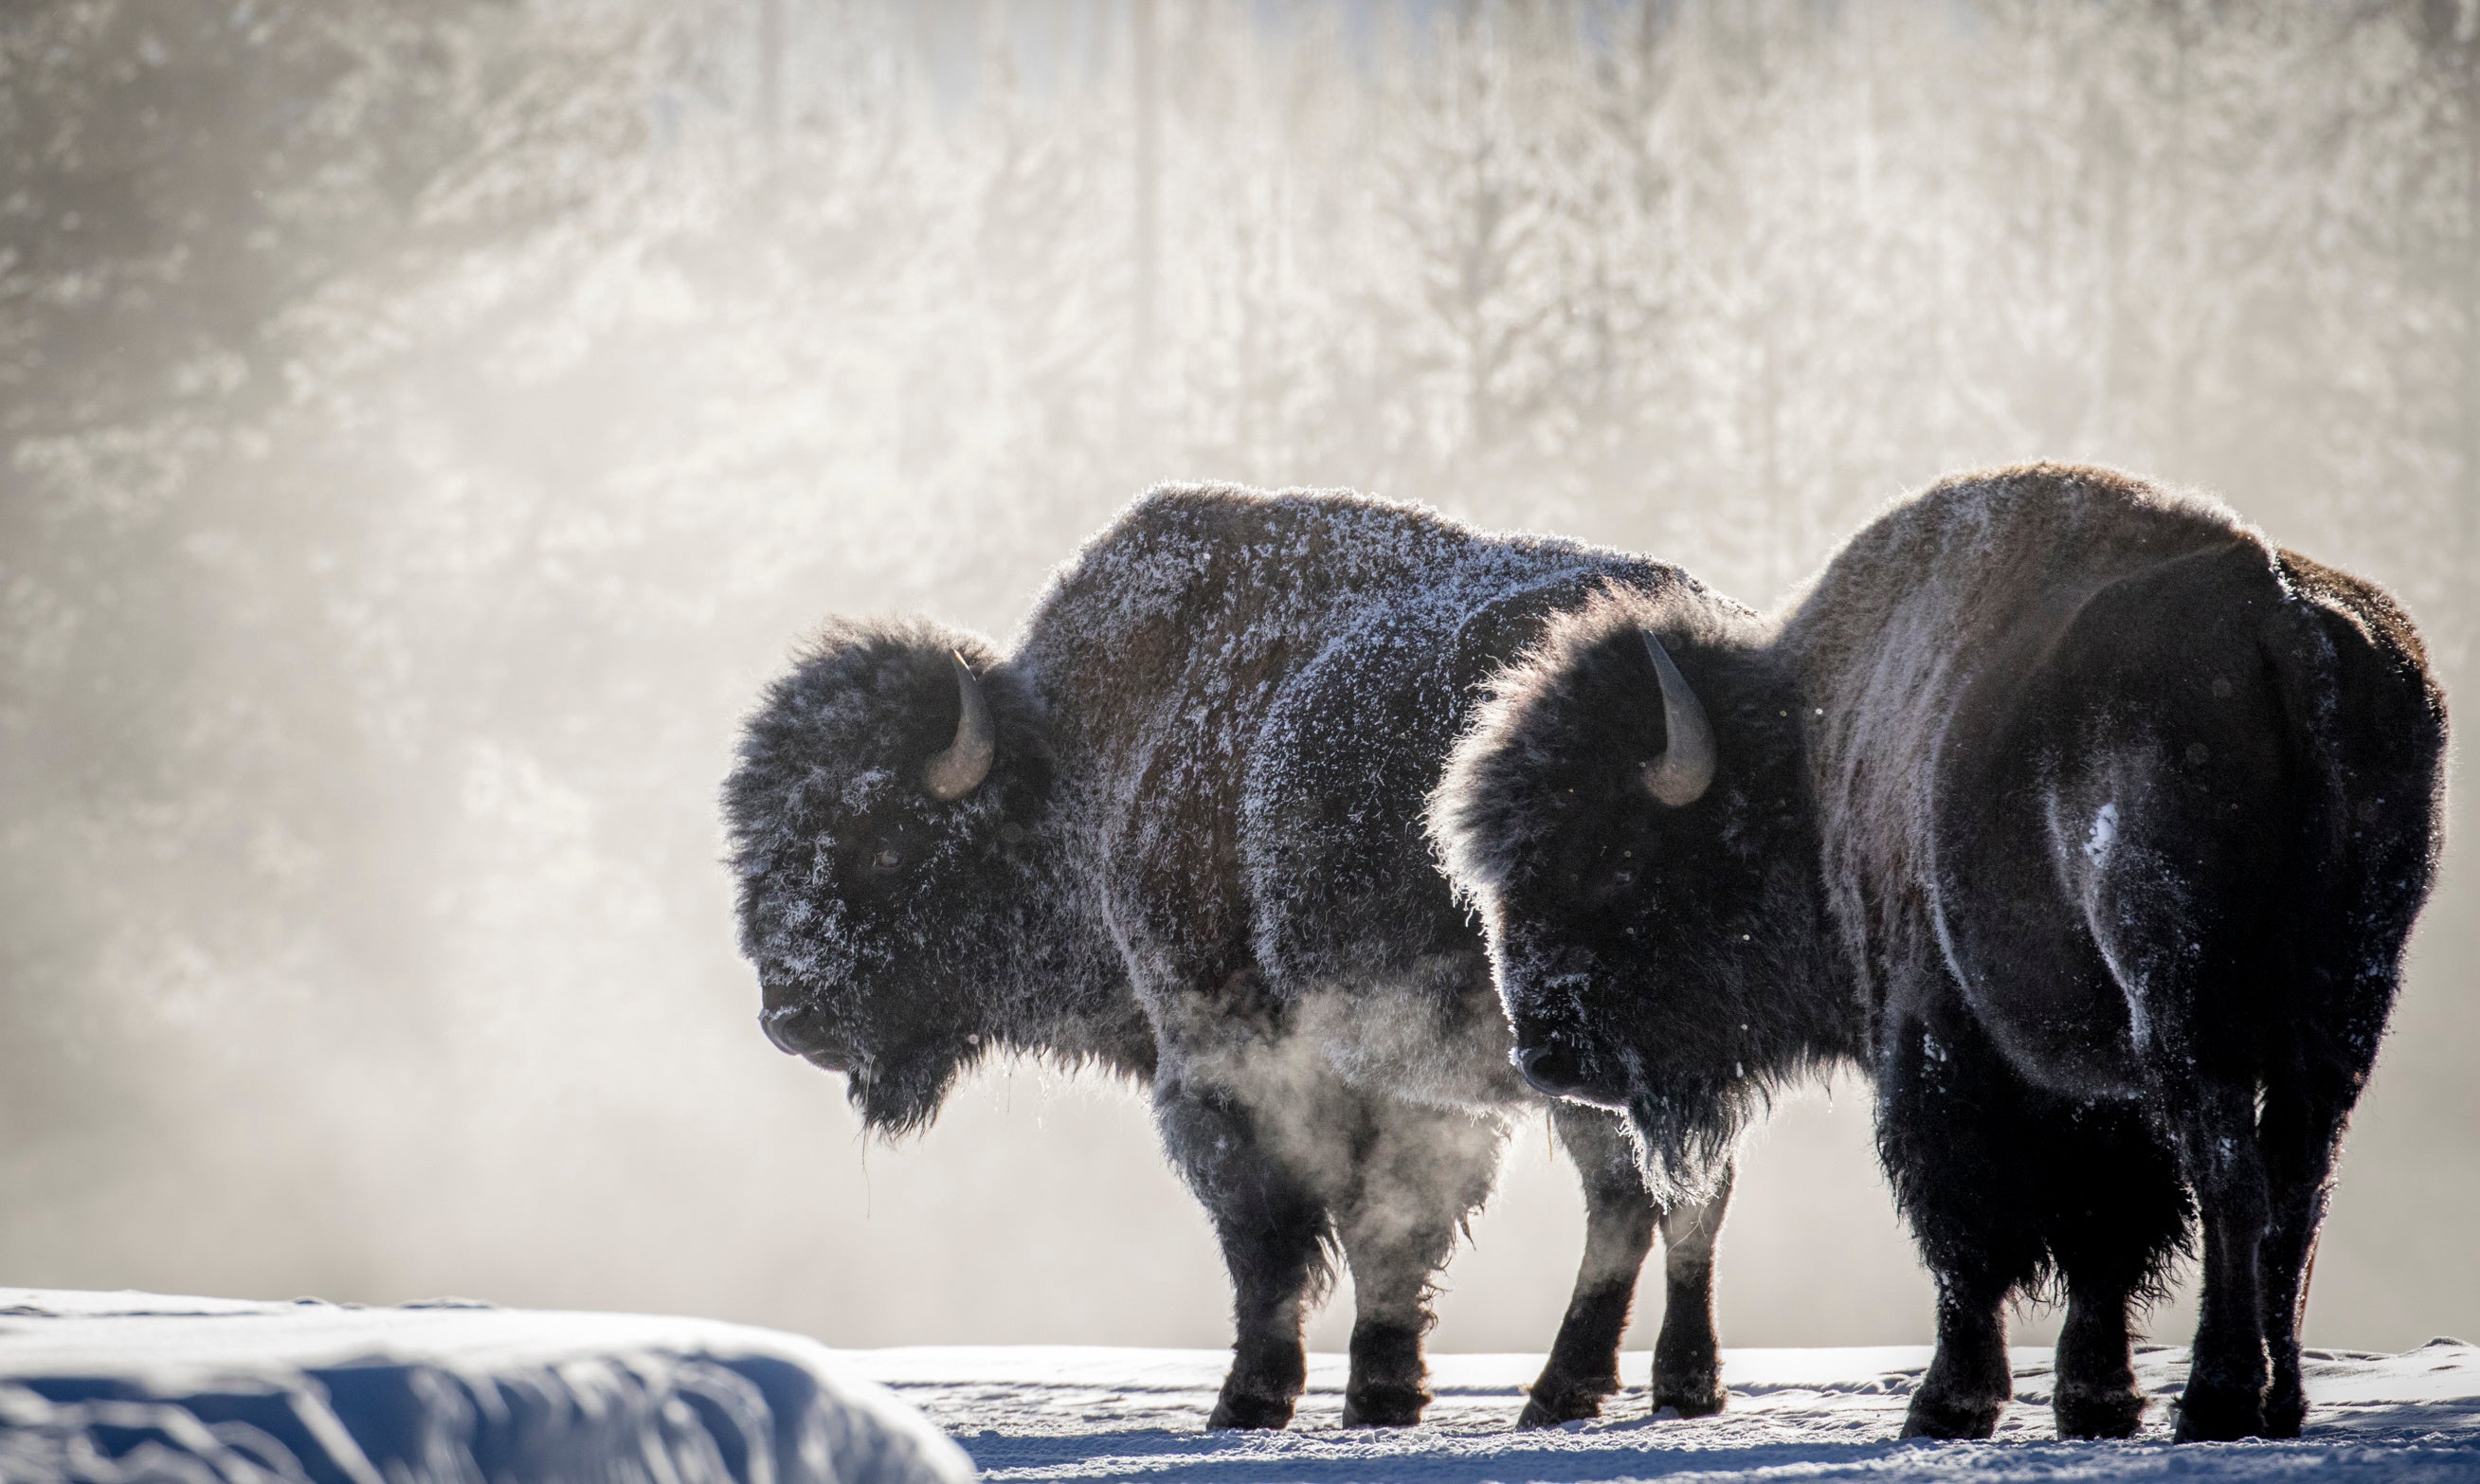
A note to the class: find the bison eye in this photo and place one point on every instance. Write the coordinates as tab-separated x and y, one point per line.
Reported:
888	858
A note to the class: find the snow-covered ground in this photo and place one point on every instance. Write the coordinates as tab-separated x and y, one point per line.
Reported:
120	1388
1071	1413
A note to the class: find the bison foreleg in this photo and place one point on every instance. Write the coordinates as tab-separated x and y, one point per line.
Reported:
2094	1393
1619	1220
2114	1210
1687	1356
1952	1121
1969	1383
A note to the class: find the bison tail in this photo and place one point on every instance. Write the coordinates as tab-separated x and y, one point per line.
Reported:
2368	725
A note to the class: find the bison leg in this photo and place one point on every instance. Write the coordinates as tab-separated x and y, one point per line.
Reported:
1953	1127
1272	1229
1969	1383
2117	1213
1619	1219
1687	1356
1420	1174
2094	1392
2297	1134
2227	1376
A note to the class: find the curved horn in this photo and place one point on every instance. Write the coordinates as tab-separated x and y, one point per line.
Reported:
1681	776
960	767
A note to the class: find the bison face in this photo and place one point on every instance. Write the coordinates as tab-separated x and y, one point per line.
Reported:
886	800
1628	816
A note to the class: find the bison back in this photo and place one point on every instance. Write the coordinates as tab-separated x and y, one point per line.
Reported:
2140	844
1252	694
1343	881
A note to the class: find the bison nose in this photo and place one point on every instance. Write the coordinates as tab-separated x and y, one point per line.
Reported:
796	1036
1551	1067
773	1022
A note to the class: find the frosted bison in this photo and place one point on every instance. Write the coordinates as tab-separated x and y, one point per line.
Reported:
1177	833
2093	823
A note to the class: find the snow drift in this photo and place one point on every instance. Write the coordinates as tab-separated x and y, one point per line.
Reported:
110	1387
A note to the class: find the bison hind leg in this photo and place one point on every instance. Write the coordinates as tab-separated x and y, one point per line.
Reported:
1274	1226
1419	1176
2299	1134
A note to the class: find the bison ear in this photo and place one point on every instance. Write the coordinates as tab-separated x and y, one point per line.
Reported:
960	767
1685	770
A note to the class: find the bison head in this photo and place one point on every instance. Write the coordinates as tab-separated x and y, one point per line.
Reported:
1628	815
886	799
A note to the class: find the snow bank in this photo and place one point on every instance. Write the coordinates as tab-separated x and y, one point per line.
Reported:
114	1388
1072	1413
106	1388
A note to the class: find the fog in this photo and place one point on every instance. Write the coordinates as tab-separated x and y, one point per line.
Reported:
422	428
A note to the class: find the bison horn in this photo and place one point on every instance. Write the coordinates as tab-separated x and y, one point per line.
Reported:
1680	776
960	767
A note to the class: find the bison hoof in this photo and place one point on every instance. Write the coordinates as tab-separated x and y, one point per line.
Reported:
1553	1404
2284	1413
1933	1416
1696	1398
2098	1411
2213	1414
1383	1406
1238	1409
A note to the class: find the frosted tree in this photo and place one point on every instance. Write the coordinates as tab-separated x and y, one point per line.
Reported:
422	425
2448	33
1465	297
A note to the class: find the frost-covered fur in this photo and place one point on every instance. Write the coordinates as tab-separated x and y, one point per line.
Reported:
1646	946
2094	821
1199	861
970	941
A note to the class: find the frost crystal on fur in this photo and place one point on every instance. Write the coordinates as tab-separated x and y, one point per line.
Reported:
1198	860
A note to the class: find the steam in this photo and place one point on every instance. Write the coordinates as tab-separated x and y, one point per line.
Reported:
408	490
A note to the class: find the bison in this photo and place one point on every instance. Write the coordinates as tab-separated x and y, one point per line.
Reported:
2089	821
1177	834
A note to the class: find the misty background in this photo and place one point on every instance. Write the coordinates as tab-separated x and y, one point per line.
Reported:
424	426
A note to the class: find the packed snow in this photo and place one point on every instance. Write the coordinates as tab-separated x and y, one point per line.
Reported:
111	1388
118	1388
1071	1413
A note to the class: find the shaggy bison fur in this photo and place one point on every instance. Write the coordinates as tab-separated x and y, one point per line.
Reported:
1177	833
2091	821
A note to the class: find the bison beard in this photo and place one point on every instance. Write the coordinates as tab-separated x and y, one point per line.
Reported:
1177	834
2094	824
